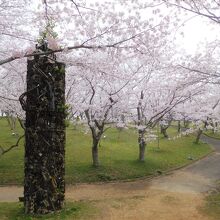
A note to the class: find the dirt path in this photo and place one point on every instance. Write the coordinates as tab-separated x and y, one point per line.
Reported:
139	200
177	196
154	205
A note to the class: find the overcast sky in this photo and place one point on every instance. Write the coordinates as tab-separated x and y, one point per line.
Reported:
196	31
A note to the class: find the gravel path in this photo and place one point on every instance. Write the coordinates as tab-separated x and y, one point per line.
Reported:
198	177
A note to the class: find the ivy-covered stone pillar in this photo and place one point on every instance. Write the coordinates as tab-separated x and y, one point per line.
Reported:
44	103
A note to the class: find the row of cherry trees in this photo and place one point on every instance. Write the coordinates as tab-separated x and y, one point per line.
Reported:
122	66
107	90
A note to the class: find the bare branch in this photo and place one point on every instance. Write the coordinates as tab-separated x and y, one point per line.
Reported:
10	99
4	151
196	10
17	36
200	71
77	8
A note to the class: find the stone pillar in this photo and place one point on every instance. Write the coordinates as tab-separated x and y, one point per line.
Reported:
44	103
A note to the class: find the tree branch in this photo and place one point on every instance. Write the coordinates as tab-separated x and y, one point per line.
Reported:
10	99
81	46
4	151
211	15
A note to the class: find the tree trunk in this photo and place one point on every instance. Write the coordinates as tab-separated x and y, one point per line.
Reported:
44	103
164	131
142	145
185	123
95	155
179	126
199	133
213	127
11	122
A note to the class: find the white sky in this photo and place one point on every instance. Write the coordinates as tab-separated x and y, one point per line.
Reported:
196	31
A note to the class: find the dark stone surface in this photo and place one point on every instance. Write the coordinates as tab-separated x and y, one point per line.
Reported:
44	103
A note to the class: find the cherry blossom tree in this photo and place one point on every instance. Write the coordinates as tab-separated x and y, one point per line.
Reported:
98	91
117	25
154	104
204	64
165	124
202	115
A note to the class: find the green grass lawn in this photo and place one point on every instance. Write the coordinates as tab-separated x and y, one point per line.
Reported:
72	210
118	156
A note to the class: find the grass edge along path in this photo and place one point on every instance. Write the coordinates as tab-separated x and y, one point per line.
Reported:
212	135
72	210
212	203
